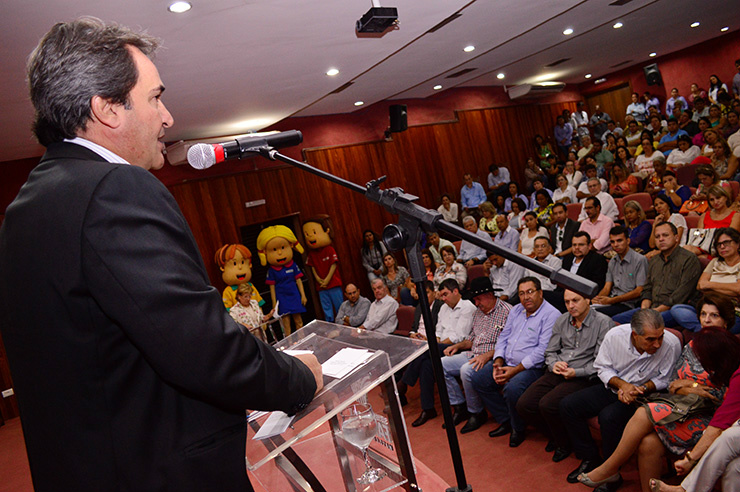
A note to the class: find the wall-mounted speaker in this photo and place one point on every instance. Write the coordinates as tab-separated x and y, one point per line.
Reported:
399	121
652	74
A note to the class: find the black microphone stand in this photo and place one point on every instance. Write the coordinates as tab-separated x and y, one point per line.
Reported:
406	234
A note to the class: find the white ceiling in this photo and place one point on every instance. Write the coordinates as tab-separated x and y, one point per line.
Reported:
236	65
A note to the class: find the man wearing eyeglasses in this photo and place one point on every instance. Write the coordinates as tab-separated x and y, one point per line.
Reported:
518	359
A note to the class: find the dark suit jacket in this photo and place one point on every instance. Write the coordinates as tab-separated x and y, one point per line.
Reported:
130	374
571	227
593	267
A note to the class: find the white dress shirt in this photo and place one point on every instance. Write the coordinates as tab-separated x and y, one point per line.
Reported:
506	278
455	323
470	250
619	357
551	261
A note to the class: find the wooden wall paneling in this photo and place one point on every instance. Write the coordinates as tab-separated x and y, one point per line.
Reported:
614	102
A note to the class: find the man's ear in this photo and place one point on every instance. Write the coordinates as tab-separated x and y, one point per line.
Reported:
106	112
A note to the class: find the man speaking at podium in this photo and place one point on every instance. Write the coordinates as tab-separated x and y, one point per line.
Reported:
130	374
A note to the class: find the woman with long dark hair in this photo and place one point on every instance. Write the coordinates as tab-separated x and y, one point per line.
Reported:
372	252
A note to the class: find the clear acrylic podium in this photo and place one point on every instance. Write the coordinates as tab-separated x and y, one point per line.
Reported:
311	455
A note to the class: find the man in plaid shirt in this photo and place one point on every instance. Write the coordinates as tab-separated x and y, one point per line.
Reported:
474	354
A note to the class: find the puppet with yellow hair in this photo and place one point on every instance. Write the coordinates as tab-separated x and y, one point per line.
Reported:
275	246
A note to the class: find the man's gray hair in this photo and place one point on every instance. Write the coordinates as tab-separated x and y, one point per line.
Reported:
379	279
646	318
468	218
74	62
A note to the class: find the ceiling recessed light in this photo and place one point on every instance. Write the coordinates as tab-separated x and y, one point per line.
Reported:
568	31
617	25
695	24
179	7
437	87
652	55
500	76
332	72
359	103
588	75
469	48
725	29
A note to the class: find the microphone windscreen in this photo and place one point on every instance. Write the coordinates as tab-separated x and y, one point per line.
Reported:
201	156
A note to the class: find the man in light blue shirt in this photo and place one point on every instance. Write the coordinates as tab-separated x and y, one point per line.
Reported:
675	101
506	237
471	254
670	139
637	109
633	360
472	194
518	360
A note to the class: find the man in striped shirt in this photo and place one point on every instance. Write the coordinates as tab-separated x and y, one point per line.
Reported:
474	354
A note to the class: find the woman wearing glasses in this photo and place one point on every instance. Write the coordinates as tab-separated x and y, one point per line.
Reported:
721	276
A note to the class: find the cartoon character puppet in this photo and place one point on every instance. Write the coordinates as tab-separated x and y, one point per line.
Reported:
235	262
324	263
275	246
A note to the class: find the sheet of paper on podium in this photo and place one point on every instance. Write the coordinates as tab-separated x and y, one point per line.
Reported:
276	424
345	361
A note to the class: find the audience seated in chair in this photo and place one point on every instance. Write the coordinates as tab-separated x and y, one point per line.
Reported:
381	316
672	277
569	358
625	276
354	310
474	354
453	325
518	359
634	359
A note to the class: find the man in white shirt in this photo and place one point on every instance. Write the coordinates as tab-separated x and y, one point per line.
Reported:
454	322
382	314
470	254
504	275
543	254
436	243
498	180
608	205
591	172
633	360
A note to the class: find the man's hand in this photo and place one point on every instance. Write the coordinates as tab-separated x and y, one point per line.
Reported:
502	374
628	393
417	336
470	263
602	300
479	361
345	321
451	350
312	363
561	368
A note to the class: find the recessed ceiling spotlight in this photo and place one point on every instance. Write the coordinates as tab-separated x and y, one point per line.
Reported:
652	55
600	81
468	48
725	29
695	24
617	25
568	31
332	72
359	103
179	7
588	75
500	76
437	87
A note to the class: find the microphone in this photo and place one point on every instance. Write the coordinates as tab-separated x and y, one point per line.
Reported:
203	155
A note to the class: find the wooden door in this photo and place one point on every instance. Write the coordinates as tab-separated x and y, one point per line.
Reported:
613	101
